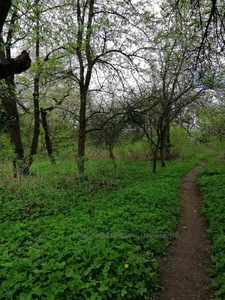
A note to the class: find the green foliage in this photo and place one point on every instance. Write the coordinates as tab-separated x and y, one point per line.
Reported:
4	120
211	122
212	183
99	238
6	148
184	146
133	150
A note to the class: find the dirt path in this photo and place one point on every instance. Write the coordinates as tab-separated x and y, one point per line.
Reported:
182	273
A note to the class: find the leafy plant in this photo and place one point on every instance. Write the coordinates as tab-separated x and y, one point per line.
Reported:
64	239
212	183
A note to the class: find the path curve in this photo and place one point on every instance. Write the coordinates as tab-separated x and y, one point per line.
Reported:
182	274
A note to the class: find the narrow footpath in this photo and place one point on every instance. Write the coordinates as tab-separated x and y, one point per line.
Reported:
183	273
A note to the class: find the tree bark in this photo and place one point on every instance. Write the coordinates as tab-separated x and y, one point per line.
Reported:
163	148
34	144
4	9
154	166
111	153
10	106
82	133
15	66
84	38
168	144
47	135
22	62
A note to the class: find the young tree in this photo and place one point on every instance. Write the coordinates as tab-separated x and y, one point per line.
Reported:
106	127
99	41
174	82
36	89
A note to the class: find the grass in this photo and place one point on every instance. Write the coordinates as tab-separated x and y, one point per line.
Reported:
96	239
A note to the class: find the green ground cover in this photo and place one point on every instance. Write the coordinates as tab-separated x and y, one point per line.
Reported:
96	239
212	184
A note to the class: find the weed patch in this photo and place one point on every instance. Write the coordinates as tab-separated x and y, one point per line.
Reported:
212	184
95	239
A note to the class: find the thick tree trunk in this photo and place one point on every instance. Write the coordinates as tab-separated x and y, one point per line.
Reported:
10	106
15	66
165	146
47	135
10	66
4	9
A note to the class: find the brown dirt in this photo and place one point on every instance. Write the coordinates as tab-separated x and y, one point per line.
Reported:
183	273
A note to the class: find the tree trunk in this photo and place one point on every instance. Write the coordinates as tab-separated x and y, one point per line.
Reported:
47	135
15	66
154	166
82	133
10	106
163	156
34	144
163	148
4	9
168	143
111	153
10	66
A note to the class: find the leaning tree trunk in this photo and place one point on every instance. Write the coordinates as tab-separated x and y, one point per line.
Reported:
48	141
111	153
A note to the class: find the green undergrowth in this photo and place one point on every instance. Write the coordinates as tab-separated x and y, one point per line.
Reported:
99	238
212	184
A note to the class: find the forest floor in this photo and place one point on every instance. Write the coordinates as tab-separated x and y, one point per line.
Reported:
183	273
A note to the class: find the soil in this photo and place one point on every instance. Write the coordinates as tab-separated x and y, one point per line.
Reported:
183	274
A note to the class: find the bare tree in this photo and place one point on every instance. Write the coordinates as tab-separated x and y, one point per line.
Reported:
106	126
